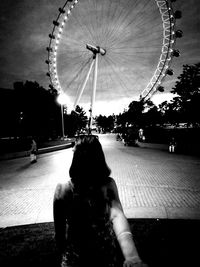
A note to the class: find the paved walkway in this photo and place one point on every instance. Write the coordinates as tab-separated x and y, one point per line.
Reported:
156	184
152	183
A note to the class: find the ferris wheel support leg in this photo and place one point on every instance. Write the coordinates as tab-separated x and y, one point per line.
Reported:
94	90
79	94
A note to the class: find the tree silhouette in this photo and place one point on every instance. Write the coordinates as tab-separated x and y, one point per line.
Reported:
37	110
188	90
104	123
76	122
135	110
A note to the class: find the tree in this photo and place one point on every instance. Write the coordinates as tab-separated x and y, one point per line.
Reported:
8	114
134	113
81	119
143	113
170	113
105	124
188	90
151	117
76	122
37	110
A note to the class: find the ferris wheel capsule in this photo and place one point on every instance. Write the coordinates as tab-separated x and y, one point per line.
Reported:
179	34
170	72
178	14
61	10
56	23
51	36
176	53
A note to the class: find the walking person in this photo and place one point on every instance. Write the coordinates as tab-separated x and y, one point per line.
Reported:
172	145
90	225
33	151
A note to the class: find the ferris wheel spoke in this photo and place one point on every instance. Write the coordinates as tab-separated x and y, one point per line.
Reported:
125	46
117	74
91	21
118	29
78	72
139	9
85	29
123	77
131	50
112	21
150	20
105	82
100	17
122	19
109	77
116	41
126	73
109	14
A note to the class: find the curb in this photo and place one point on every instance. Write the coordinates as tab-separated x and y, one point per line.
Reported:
22	154
152	145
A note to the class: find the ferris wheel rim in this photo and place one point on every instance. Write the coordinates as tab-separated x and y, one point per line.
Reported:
52	50
165	59
169	38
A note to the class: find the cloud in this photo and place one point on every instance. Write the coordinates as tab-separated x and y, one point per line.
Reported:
161	97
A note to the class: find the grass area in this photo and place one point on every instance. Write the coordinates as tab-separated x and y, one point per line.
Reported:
161	243
29	245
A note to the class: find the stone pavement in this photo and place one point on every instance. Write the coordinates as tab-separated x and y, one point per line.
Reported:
156	184
152	183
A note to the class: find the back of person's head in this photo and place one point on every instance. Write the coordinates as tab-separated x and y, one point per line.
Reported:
88	163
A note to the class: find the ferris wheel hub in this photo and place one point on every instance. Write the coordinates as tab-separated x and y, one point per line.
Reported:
96	49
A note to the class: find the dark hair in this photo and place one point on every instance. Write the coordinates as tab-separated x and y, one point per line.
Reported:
88	163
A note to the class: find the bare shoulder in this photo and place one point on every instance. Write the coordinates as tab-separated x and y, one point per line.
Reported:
111	183
62	191
111	187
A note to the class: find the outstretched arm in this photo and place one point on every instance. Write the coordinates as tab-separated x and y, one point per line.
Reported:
59	214
122	229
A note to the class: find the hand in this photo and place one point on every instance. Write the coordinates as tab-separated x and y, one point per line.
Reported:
128	263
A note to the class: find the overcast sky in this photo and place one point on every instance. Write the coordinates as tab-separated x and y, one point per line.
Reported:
126	68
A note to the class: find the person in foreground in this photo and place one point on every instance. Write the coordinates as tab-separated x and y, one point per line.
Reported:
90	226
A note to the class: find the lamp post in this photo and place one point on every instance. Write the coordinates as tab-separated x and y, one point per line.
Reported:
62	100
63	127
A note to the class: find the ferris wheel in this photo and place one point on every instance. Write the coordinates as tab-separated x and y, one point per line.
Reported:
120	46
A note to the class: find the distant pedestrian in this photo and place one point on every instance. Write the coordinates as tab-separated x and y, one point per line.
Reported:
88	216
172	145
33	151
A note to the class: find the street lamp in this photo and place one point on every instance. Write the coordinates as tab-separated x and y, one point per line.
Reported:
62	100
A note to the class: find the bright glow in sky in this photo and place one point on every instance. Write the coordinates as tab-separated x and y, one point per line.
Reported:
109	107
161	97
